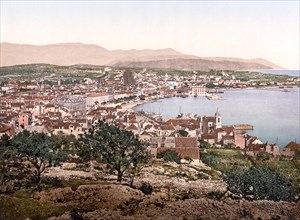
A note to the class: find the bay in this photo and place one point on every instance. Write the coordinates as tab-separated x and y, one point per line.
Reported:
275	114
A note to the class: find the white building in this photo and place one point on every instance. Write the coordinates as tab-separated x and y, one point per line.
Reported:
198	90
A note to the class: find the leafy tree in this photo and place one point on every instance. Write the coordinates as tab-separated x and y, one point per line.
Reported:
261	182
68	142
13	171
120	149
5	165
39	150
169	155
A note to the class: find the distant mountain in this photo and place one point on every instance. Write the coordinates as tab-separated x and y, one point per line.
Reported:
77	53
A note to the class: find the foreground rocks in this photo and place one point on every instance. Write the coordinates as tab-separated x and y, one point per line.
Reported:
178	193
123	202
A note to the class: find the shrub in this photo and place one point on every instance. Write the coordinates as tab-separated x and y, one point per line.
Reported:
210	159
146	188
204	144
188	159
169	155
261	182
263	156
202	176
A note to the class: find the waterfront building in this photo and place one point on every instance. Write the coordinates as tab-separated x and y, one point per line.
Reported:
198	90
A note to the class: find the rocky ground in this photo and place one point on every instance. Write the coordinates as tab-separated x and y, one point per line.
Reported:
178	193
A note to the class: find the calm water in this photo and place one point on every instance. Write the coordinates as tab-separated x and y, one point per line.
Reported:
274	114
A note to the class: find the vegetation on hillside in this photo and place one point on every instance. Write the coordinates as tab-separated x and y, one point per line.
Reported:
263	178
24	158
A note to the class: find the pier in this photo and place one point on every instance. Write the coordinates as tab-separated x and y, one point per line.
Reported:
243	127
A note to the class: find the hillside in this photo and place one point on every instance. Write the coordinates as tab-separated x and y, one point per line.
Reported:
66	54
195	64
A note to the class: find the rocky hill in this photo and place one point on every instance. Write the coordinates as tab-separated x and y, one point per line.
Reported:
186	191
78	53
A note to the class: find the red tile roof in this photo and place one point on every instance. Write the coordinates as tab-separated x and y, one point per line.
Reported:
293	146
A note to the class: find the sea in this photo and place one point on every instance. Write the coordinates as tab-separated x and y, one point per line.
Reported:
274	112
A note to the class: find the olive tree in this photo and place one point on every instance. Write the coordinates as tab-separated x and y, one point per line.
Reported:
120	149
38	150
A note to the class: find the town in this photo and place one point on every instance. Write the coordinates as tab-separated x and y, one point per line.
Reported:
68	100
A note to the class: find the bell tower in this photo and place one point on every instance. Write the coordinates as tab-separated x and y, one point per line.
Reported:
218	118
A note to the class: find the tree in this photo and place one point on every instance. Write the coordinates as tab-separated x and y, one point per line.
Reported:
39	150
6	157
68	142
12	170
121	150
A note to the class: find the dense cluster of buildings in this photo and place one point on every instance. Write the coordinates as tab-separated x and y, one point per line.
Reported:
70	109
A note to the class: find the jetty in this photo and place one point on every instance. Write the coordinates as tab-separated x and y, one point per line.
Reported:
243	127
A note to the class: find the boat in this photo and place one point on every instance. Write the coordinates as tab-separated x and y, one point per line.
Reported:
214	97
180	114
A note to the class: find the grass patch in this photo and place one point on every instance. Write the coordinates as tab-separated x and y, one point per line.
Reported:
225	160
12	208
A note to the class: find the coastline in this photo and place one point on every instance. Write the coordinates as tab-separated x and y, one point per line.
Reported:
131	105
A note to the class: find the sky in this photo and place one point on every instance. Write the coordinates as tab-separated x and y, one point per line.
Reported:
243	29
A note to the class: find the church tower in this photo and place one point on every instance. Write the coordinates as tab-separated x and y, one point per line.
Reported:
218	120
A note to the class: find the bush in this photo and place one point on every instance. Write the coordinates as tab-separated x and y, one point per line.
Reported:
188	159
169	155
263	156
146	188
210	159
261	182
204	144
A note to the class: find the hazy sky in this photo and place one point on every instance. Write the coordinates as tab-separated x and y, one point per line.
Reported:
245	29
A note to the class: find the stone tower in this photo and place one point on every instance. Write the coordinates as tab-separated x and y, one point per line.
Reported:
218	118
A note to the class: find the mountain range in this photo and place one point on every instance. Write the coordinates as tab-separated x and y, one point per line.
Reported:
66	54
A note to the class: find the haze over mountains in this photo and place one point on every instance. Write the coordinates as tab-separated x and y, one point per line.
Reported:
76	53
